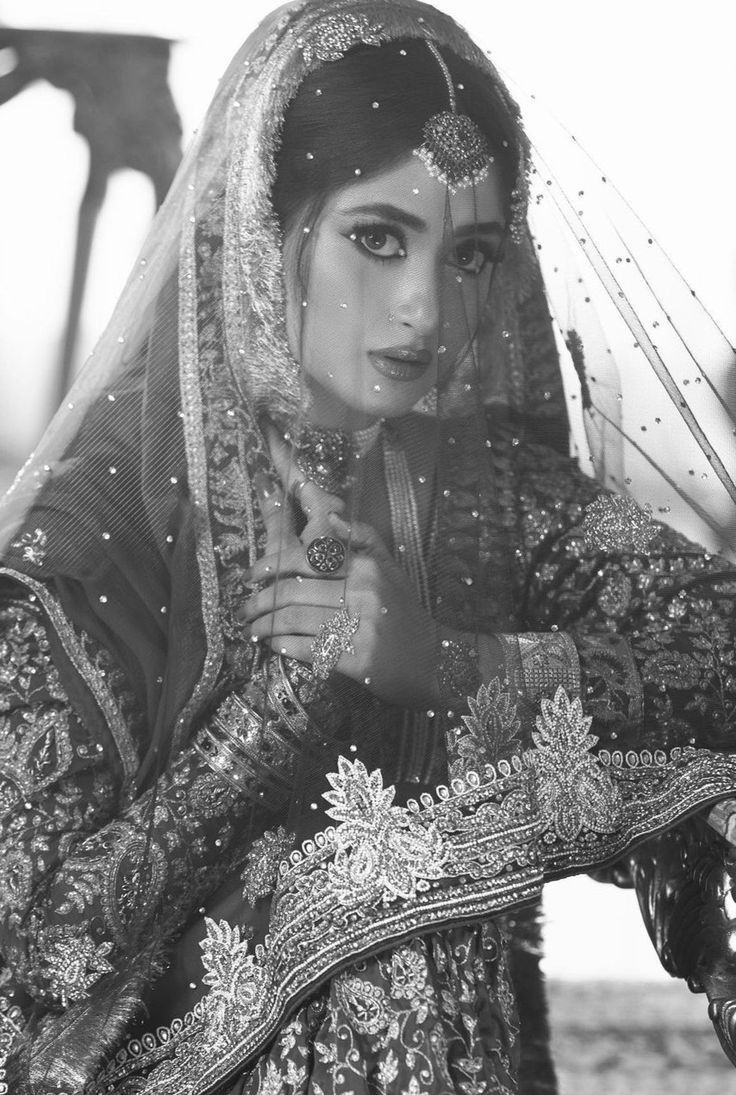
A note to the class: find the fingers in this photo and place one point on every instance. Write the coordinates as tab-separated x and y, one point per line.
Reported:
303	620
277	511
314	593
359	536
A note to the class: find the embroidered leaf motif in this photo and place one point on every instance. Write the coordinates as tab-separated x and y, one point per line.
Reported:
73	961
356	793
237	983
575	792
382	850
492	729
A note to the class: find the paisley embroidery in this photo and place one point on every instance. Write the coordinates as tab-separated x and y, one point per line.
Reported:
382	852
365	1004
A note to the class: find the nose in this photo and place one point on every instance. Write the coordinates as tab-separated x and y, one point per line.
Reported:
417	301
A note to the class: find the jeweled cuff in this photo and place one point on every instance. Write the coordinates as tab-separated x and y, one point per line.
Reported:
537	663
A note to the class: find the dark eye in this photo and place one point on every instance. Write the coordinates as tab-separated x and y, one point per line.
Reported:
380	241
471	257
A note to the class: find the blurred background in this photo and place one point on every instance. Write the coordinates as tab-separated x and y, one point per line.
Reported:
646	86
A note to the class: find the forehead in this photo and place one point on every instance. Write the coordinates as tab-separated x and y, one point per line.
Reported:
409	186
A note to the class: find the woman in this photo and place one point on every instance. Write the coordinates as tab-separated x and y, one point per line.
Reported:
322	654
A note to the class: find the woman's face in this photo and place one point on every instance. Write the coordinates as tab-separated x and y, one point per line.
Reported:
397	274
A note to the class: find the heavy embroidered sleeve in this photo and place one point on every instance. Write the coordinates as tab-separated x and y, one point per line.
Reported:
651	616
74	889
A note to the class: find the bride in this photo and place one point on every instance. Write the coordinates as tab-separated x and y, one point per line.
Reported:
320	651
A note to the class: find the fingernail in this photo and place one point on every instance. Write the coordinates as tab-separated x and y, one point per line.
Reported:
264	484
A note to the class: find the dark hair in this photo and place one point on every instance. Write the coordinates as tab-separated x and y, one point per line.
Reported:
333	127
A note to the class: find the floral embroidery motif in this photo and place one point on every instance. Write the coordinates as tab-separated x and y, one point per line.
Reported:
74	961
260	871
615	594
364	1003
382	852
491	730
335	35
236	982
32	546
575	792
614	522
501	832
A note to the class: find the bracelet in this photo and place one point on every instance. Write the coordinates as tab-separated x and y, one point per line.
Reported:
236	743
540	662
222	761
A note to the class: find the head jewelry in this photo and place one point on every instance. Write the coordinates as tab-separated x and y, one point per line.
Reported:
453	150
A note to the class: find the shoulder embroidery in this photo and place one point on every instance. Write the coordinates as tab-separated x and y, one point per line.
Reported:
614	522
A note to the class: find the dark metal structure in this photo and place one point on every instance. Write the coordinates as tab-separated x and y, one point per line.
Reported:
123	108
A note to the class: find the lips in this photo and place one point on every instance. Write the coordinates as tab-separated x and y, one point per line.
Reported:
401	362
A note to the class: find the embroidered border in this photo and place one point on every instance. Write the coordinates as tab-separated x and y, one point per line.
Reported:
89	673
475	848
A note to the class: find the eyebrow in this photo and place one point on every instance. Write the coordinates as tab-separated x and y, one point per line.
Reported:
410	220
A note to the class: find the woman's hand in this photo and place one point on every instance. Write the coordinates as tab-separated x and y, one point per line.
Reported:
395	645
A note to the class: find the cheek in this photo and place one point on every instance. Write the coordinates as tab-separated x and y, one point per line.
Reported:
463	306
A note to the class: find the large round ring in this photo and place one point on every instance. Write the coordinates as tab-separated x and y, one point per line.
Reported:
326	554
333	639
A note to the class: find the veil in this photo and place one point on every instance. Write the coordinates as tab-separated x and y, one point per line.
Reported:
574	422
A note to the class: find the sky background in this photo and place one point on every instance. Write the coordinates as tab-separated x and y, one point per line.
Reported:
647	86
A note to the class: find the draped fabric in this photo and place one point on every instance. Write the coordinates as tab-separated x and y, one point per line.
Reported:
228	869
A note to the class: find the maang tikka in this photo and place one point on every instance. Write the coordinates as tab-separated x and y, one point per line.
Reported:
453	149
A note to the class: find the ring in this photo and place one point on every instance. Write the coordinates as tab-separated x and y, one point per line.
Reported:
333	639
325	554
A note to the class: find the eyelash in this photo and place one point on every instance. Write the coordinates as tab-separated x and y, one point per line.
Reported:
360	231
490	252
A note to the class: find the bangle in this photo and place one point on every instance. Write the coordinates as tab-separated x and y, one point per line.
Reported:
540	662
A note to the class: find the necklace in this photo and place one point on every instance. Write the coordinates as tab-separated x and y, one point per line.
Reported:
326	456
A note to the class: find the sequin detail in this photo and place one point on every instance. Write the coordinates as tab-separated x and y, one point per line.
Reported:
575	791
261	868
32	546
335	35
491	731
72	962
614	522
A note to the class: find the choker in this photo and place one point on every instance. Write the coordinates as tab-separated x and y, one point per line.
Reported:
326	456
